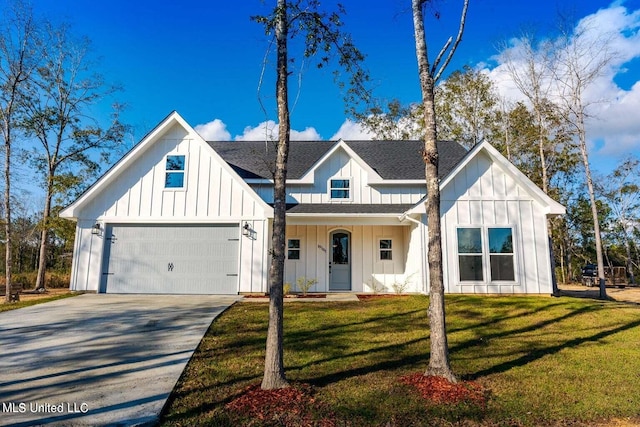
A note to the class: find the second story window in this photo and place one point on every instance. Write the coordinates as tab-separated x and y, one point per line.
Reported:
340	189
174	171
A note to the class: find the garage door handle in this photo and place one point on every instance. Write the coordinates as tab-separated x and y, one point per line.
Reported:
231	274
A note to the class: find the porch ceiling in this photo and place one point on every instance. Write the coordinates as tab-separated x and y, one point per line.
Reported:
346	213
346	208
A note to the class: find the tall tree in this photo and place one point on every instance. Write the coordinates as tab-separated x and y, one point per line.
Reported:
429	74
321	32
17	60
581	58
466	107
529	65
393	121
57	116
621	190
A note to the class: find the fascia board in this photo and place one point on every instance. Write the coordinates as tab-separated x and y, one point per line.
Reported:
308	177
72	210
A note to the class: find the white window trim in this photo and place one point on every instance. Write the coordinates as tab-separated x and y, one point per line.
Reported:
379	249
298	249
486	255
340	199
184	177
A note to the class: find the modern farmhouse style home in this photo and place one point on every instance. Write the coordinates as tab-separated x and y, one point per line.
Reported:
179	215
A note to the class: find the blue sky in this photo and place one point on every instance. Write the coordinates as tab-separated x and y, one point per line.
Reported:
204	58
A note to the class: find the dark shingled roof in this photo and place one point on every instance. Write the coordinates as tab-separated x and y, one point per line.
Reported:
346	208
390	159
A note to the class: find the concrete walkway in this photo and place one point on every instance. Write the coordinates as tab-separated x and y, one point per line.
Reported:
98	359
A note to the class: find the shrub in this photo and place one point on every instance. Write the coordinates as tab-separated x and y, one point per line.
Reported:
56	279
304	285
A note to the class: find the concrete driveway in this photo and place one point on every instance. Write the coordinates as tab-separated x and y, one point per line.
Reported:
98	359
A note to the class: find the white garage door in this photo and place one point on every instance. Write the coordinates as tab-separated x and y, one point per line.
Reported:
171	259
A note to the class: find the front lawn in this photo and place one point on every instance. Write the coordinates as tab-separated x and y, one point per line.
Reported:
27	300
545	361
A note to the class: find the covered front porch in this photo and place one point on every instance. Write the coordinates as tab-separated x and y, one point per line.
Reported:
364	253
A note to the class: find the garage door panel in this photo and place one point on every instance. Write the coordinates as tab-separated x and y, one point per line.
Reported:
183	259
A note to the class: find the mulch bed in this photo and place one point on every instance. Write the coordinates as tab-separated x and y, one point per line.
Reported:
438	390
291	406
296	405
290	296
365	297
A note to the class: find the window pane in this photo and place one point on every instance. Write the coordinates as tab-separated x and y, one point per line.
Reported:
469	241
293	254
174	180
294	243
502	267
339	183
340	248
385	244
175	163
470	267
500	241
386	255
339	194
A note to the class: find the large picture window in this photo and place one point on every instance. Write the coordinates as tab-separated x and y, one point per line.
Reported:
174	171
470	254
486	250
501	253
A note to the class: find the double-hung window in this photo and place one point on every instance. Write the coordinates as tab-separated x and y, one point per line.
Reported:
486	251
386	249
340	189
174	177
293	249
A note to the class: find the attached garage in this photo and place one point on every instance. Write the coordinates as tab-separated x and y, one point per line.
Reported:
170	259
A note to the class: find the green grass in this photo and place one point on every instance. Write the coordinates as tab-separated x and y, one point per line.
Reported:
21	304
546	361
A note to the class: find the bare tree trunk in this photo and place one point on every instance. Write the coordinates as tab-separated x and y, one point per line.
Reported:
594	208
439	364
627	247
44	241
7	225
274	375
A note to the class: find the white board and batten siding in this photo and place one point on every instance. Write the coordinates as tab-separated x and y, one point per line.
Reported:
483	194
213	203
365	263
341	165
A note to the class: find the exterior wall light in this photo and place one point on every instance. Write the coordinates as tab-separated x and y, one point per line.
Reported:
96	230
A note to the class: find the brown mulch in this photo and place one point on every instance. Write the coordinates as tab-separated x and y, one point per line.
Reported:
365	297
291	406
439	390
296	405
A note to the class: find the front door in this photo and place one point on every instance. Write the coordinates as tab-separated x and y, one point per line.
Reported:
340	261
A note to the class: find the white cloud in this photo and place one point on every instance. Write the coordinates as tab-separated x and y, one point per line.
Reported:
269	130
215	130
614	111
352	131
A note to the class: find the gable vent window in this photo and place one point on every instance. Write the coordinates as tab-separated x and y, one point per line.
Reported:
340	188
174	172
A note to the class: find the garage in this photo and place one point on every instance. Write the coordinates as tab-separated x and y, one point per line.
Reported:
170	259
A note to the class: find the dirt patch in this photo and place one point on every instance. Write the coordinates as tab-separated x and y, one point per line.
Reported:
627	294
